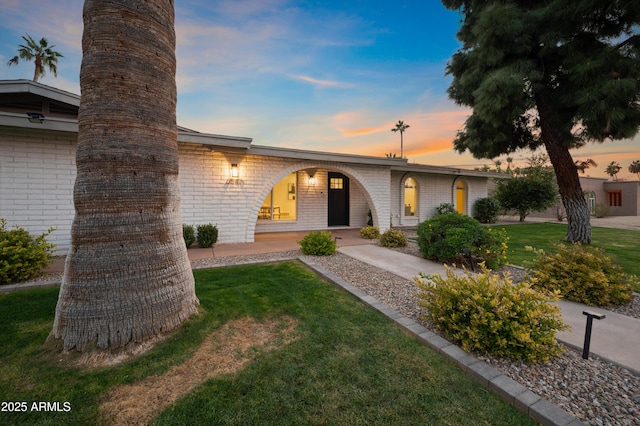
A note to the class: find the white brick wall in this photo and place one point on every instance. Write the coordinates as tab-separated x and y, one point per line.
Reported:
36	182
37	174
433	190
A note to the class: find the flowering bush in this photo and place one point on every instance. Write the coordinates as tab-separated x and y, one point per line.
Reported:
370	232
393	238
22	256
581	273
488	314
492	247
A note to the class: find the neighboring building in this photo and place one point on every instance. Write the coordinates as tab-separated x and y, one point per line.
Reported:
242	188
621	197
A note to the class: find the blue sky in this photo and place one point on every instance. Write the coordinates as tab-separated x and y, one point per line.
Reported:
321	75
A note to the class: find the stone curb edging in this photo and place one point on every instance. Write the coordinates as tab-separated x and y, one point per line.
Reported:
512	392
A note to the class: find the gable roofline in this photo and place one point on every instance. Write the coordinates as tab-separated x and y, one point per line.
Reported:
444	170
302	154
219	142
28	86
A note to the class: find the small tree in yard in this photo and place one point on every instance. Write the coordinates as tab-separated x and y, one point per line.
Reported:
531	189
556	74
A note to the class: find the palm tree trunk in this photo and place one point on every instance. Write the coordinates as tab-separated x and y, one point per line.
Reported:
38	68
575	204
127	276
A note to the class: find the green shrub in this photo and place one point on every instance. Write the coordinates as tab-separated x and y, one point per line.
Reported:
486	210
370	232
602	210
393	238
189	234
445	208
318	243
22	256
492	247
581	274
445	236
207	235
488	314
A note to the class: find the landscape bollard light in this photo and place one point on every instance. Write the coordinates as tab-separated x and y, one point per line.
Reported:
467	253
587	332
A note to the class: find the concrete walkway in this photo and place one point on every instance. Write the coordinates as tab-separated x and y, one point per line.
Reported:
615	338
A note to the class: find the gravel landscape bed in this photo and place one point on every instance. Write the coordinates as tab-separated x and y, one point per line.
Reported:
595	391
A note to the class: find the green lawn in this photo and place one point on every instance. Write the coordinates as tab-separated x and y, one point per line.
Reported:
622	244
348	365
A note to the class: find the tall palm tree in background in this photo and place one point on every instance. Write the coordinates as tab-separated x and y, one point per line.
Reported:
40	53
612	170
400	127
583	165
634	167
127	276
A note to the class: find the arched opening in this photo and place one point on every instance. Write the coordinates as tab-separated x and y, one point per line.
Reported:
312	198
591	201
410	197
461	197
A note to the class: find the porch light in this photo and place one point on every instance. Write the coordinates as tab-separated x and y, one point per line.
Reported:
234	170
35	117
312	180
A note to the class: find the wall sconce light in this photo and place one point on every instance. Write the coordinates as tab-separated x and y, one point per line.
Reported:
35	117
235	175
312	180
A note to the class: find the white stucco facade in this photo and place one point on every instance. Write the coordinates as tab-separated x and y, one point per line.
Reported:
37	175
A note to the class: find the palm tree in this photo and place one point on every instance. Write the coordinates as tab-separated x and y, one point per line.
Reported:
400	127
582	166
635	168
41	54
612	170
127	276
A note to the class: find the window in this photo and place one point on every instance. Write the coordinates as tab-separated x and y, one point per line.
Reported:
615	198
461	197
336	183
281	203
410	197
591	201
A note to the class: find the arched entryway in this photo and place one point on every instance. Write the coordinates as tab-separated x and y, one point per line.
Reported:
460	196
325	195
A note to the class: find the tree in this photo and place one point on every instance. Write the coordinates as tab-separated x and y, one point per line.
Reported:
612	170
552	73
635	168
40	53
583	165
531	189
127	276
400	127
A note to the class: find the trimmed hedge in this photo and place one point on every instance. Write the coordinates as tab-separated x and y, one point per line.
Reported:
318	243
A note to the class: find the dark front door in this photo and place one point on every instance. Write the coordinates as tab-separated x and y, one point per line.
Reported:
338	199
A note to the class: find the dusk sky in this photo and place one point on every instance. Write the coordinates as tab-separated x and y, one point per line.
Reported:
320	75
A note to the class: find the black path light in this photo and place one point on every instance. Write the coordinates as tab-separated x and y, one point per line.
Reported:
587	333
